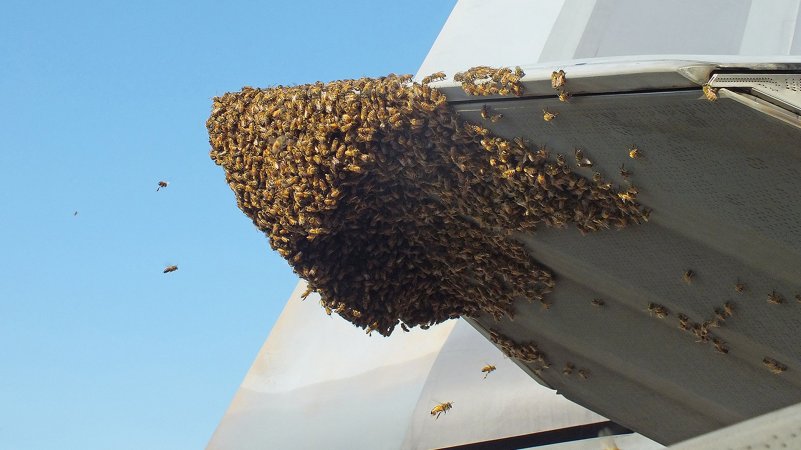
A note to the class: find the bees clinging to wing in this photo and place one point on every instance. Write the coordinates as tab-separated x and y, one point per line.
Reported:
318	167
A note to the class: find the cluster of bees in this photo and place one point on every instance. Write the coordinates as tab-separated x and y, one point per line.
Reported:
526	352
394	209
702	332
485	80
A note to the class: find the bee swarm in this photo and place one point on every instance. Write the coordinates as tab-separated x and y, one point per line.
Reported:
391	207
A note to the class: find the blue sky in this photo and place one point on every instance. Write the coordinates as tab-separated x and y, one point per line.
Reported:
100	101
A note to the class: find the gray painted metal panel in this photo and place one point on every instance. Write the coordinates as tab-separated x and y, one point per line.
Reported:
723	181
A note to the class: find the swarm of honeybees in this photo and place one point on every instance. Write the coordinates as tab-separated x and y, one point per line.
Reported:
395	210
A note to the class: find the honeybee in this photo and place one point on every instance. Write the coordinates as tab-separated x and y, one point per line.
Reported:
584	374
624	173
774	366
627	196
487	370
306	293
404	327
775	298
740	287
710	93
688	276
658	310
485	112
635	152
720	346
75	214
684	322
728	309
558	79
169	269
162	184
581	160
564	96
441	408
568	370
548	116
598	302
436	76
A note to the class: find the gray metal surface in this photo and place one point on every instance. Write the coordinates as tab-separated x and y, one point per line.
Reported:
723	181
777	430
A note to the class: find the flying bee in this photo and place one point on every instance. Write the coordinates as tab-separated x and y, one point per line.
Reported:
169	269
548	116
688	276
162	184
441	408
740	286
564	96
624	173
720	346
710	93
635	152
775	298
581	160
75	214
558	79
487	370
658	310
598	302
774	366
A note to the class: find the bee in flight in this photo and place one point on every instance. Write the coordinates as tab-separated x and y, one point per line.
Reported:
441	408
169	269
162	184
487	369
75	214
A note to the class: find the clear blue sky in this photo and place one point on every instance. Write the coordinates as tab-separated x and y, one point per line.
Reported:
100	100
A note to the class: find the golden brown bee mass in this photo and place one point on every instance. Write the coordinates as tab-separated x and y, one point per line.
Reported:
489	368
485	80
394	209
169	269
